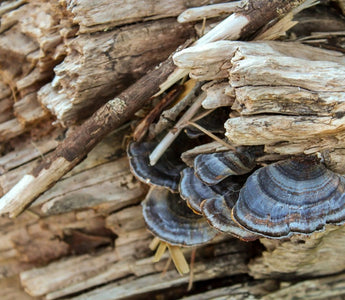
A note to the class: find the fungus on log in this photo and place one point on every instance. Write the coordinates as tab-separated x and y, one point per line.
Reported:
86	237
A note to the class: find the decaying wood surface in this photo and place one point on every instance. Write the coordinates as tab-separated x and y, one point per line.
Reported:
119	109
85	237
290	97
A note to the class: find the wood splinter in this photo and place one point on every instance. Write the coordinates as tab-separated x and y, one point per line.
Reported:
117	111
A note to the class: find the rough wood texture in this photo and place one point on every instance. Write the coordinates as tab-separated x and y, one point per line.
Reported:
311	256
79	88
105	14
271	81
120	109
215	60
85	238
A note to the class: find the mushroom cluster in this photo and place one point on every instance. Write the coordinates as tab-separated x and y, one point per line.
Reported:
220	192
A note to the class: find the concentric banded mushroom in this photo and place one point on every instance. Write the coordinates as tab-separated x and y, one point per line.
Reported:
214	167
217	212
288	197
168	217
214	202
193	190
166	173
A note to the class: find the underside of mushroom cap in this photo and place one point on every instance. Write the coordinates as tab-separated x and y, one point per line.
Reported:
168	217
165	173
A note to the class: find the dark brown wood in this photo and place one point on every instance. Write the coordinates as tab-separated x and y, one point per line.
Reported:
142	128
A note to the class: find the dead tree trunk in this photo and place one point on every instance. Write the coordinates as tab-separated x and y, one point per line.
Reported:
85	237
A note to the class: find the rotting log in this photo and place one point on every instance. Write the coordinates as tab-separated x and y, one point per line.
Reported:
118	110
85	238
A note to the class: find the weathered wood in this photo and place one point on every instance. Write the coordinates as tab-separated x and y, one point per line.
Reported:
69	153
118	110
30	42
289	100
218	94
332	287
334	160
28	111
216	60
11	289
253	15
10	129
209	11
79	88
270	129
308	256
95	246
106	14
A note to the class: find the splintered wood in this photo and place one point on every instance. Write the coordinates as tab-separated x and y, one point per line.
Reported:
85	237
290	97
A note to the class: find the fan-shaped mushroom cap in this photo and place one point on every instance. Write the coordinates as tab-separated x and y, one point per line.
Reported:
217	212
214	202
292	196
168	217
193	190
214	167
165	173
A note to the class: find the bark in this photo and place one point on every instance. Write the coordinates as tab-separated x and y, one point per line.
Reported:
85	237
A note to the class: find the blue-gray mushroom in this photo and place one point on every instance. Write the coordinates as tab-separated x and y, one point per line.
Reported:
168	217
215	167
296	196
165	173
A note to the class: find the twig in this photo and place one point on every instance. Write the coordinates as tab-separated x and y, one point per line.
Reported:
169	116
173	133
141	130
254	15
191	274
210	134
208	11
76	146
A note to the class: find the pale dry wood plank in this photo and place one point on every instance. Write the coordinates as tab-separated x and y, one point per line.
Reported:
270	129
10	289
287	100
215	60
105	14
319	76
218	94
10	129
79	87
28	111
209	11
315	255
111	182
332	287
